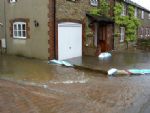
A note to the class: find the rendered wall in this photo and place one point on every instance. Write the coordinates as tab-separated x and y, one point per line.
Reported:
37	45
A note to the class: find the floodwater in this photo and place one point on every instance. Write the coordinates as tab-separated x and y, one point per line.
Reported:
33	86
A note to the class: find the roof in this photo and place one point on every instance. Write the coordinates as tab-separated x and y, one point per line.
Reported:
100	18
135	4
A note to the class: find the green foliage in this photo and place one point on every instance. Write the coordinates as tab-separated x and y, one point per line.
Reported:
130	22
118	10
95	11
89	32
102	9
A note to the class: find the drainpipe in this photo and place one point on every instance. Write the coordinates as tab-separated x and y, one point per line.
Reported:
55	55
114	27
5	30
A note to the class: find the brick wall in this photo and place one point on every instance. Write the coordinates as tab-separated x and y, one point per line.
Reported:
51	31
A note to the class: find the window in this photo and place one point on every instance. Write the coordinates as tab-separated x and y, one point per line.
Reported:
122	34
19	30
94	2
12	1
123	10
73	0
142	15
146	32
149	16
135	12
141	32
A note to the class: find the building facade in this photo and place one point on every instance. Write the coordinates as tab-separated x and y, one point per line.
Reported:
143	31
57	29
26	27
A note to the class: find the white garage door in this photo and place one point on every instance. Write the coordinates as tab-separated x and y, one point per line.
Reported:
69	40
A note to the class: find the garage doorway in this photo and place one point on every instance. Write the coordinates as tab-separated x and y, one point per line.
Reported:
69	40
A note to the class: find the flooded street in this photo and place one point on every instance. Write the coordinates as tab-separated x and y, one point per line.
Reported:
33	86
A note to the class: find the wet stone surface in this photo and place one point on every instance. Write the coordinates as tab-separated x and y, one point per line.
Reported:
33	86
120	60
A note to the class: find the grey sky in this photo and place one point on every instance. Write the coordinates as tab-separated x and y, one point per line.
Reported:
144	3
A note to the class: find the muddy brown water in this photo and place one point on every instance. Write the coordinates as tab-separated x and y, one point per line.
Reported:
33	86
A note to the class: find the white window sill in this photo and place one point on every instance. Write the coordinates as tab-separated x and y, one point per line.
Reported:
19	37
121	41
92	4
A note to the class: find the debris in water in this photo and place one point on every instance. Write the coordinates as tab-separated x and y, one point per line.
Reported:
45	86
59	62
70	82
114	71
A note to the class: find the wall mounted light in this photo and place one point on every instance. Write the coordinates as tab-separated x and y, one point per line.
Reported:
36	23
1	24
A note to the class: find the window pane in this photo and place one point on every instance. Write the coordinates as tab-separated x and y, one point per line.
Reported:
19	33
122	34
23	27
19	26
24	33
15	33
94	2
15	27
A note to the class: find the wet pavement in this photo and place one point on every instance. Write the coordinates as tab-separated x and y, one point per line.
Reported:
33	86
120	60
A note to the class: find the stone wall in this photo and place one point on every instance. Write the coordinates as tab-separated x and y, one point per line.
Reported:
71	10
145	23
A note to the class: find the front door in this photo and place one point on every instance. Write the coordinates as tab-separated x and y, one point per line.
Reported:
105	38
102	37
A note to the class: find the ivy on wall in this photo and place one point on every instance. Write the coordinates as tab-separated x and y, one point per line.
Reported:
101	10
130	22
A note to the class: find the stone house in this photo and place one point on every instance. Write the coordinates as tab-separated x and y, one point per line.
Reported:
56	29
143	31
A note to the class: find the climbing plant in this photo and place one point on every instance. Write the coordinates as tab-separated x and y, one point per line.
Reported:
101	10
130	22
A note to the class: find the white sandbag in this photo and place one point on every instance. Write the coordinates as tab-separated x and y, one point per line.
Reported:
112	71
104	55
56	62
59	62
67	64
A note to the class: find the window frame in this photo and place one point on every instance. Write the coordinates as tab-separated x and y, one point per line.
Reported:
26	20
148	32
12	1
141	32
142	14
122	34
17	30
72	0
136	12
94	3
124	9
149	16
